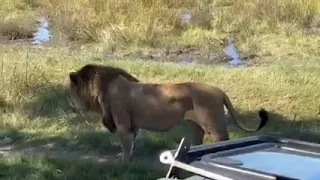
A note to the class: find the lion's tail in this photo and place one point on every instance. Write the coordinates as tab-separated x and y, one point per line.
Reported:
263	114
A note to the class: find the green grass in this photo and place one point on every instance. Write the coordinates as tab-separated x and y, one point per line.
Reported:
46	168
119	24
17	19
150	22
35	112
33	107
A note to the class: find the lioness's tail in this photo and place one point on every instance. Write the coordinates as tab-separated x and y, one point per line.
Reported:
263	114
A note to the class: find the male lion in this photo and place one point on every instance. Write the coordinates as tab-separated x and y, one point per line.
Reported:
88	90
127	105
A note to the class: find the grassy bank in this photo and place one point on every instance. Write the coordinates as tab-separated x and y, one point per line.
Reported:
35	112
17	19
260	27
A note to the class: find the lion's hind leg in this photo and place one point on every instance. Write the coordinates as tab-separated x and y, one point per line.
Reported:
197	133
215	125
217	133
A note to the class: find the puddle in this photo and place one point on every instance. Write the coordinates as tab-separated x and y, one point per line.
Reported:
42	34
186	62
185	18
231	51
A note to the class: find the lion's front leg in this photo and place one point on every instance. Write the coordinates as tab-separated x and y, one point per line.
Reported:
106	115
135	133
124	129
109	123
127	144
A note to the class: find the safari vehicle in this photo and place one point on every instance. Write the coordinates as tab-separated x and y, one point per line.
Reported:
251	158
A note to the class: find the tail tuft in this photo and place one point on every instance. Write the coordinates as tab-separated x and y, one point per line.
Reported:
264	116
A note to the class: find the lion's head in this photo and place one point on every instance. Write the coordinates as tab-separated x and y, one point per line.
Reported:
86	83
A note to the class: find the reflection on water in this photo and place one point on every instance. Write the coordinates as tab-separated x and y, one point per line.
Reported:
287	164
231	51
42	34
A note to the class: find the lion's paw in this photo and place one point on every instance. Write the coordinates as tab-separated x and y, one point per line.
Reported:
119	155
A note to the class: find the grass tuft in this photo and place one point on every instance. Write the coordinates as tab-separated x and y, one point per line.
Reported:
44	168
17	19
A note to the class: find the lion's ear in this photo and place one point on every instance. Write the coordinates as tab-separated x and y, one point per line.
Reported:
73	78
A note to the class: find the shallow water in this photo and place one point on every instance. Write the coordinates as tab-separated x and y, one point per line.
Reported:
42	34
186	61
185	18
231	51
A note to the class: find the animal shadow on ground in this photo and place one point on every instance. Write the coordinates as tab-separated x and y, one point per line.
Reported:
49	104
50	101
305	129
150	144
95	142
48	168
7	171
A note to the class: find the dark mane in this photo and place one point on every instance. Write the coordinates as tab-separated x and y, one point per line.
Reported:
88	77
108	73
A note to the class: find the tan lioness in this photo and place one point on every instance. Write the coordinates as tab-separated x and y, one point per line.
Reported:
127	105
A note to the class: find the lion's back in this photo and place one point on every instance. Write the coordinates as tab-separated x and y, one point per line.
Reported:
205	95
